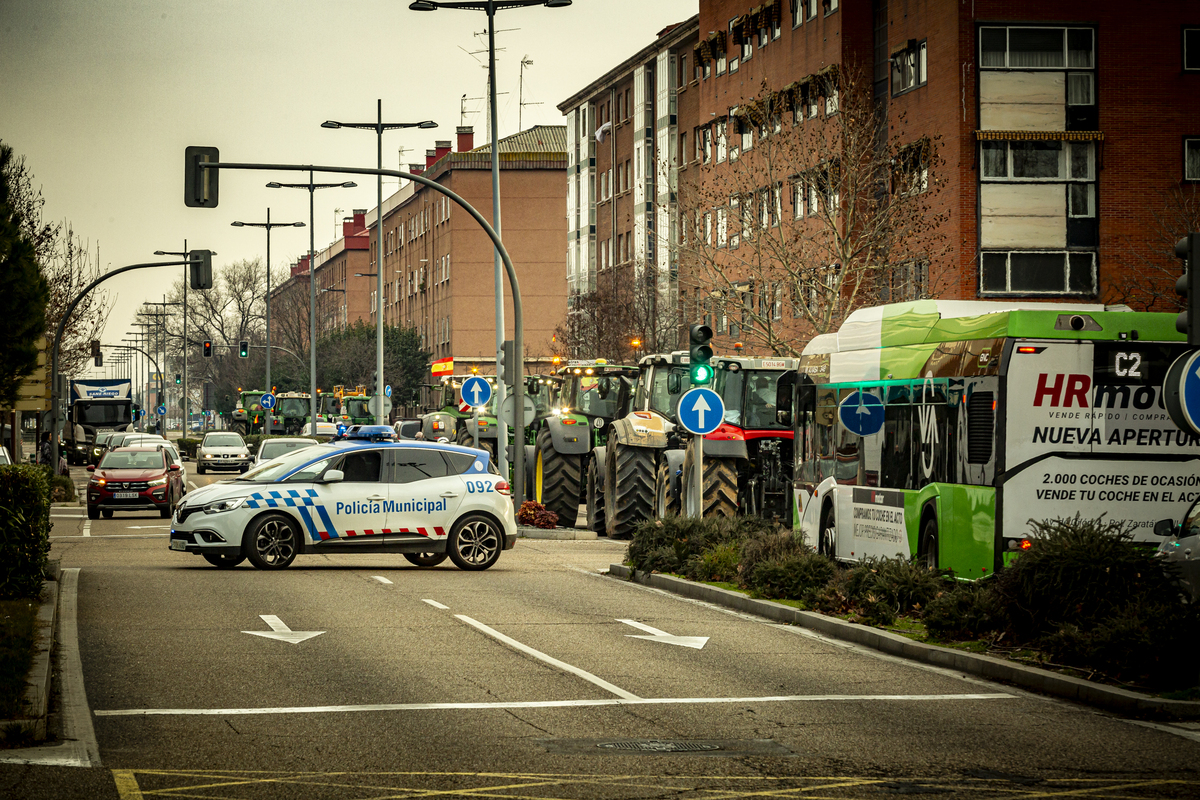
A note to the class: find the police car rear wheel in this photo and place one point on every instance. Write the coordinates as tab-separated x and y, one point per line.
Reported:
271	542
425	559
475	543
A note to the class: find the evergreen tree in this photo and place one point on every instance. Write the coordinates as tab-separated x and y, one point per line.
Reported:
23	301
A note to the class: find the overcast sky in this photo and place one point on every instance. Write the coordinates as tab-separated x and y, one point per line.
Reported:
102	96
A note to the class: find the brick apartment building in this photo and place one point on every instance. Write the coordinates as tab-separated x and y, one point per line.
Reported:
438	264
1052	141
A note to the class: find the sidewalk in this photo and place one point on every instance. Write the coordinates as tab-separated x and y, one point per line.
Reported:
1109	698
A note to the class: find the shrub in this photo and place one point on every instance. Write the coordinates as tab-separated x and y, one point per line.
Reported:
717	563
796	575
1079	572
62	488
24	529
687	538
188	447
536	515
964	611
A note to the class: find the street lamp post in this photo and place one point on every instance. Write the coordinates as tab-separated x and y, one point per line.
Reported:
186	281
379	126
268	225
491	7
312	285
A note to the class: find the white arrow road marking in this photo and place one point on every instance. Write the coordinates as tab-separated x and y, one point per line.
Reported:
700	406
282	632
694	642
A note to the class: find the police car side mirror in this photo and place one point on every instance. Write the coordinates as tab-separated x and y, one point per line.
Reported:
333	476
1164	527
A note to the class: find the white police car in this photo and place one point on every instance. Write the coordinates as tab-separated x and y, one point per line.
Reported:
422	499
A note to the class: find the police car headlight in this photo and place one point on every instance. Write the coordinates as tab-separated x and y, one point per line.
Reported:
228	504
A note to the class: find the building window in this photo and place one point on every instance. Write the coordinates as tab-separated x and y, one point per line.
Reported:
721	63
797	198
1038	272
797	13
735	46
707	145
735	236
912	169
1191	159
722	227
683	155
904	282
811	8
1036	48
1031	160
1191	49
776	23
908	67
722	142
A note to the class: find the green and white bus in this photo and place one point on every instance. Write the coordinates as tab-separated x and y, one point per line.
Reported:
940	429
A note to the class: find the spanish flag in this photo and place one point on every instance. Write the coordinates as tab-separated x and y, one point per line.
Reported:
443	366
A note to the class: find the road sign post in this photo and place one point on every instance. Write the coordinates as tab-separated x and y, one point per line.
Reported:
476	392
700	412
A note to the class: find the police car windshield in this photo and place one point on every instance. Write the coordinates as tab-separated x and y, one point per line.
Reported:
274	470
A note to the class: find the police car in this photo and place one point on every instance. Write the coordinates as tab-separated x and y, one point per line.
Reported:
361	494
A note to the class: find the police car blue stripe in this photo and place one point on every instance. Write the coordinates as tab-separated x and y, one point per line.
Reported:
332	531
308	523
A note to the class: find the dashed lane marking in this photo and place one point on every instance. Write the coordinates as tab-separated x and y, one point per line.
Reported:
382	579
436	604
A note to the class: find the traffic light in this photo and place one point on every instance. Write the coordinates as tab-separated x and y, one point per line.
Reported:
243	349
201	269
700	354
178	379
1188	248
97	356
200	184
507	367
208	348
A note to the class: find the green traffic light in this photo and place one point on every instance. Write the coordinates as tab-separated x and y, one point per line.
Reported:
701	373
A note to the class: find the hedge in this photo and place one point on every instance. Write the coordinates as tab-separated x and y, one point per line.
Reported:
188	446
24	530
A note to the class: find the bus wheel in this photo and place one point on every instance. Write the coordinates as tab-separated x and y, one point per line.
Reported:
827	544
928	552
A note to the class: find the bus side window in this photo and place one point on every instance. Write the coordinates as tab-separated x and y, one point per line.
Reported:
825	439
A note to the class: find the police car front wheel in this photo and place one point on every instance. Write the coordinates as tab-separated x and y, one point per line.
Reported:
271	542
475	542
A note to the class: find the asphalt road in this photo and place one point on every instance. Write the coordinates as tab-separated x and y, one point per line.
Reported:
537	678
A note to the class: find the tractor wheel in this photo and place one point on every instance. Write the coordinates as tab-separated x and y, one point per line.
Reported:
719	493
664	501
557	479
595	493
629	488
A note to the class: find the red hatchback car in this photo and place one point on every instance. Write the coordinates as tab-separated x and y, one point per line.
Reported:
134	479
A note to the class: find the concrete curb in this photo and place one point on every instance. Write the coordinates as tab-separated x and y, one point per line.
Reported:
1109	698
37	684
560	534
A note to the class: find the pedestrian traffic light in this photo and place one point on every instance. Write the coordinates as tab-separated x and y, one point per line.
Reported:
507	368
700	354
1188	248
201	269
178	379
208	348
243	349
96	354
200	183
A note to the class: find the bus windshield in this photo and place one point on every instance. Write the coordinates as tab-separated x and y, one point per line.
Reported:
102	413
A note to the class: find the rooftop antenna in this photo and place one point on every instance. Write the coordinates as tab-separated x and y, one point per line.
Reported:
525	62
336	220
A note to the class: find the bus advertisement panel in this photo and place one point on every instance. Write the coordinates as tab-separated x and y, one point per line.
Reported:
993	415
1087	429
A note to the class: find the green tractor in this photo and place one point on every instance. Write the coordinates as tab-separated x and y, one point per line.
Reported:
290	414
248	415
592	395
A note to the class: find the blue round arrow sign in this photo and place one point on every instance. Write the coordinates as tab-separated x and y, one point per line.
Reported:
861	413
701	411
162	411
267	401
387	390
476	391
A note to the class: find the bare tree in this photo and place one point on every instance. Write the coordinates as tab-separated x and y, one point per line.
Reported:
1145	279
803	210
620	319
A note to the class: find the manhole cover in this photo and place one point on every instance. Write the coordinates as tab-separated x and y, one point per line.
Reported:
659	746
